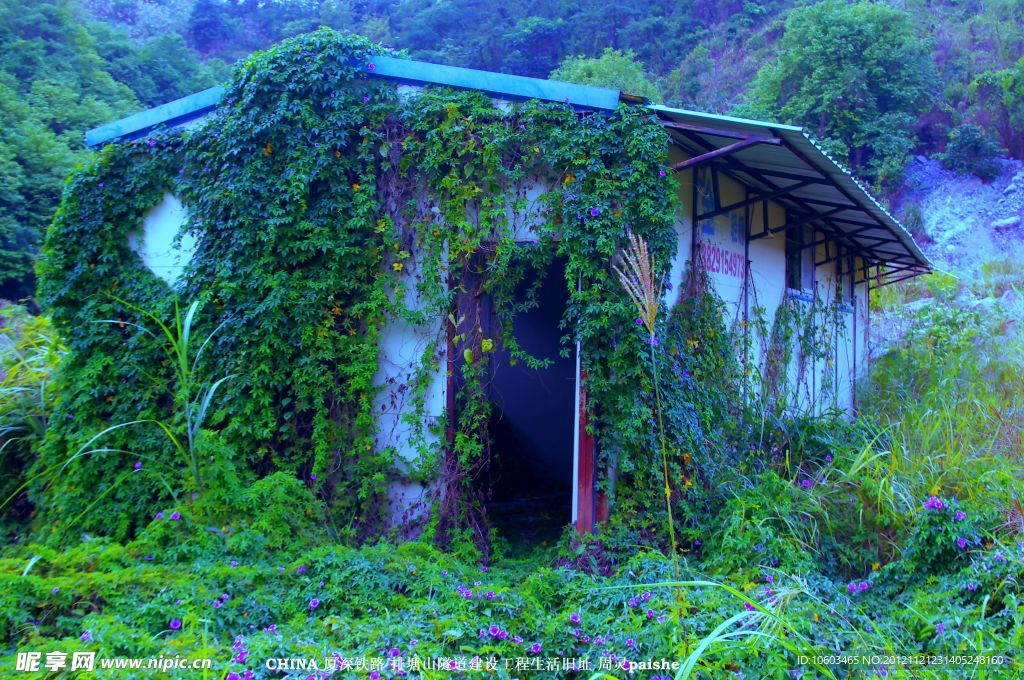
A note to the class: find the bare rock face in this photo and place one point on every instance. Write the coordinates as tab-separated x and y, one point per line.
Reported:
966	222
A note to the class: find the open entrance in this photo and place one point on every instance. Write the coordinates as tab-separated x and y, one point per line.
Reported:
530	474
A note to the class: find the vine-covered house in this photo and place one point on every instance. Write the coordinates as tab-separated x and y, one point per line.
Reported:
410	269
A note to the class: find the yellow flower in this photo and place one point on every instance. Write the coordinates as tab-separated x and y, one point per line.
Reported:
569	179
398	266
337	154
355	187
267	149
876	566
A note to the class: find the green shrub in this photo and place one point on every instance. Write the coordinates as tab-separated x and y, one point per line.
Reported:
30	352
969	149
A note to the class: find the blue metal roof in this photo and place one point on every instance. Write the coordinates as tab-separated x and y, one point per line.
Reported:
498	85
178	112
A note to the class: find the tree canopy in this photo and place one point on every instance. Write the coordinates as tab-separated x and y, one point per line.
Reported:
856	76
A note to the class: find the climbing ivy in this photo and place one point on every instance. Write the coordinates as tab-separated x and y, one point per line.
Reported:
326	206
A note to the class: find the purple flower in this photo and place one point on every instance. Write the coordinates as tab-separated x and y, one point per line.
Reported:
224	597
806	484
940	628
864	585
366	99
934	503
100	185
653	342
217	604
312	476
502	634
301	569
175	516
233	676
138	465
631	643
768	578
828	458
272	628
313	604
959	516
56	590
972	586
321	584
662	173
516	640
535	648
247	675
749	607
632	602
852	588
444	572
370	66
574	617
233	563
150	142
961	542
493	630
86	636
158	515
650	613
646	596
280	568
595	212
149	558
639	321
175	624
414	643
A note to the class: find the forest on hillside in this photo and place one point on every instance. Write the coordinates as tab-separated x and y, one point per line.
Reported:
875	82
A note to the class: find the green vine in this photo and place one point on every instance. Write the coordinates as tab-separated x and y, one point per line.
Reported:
327	207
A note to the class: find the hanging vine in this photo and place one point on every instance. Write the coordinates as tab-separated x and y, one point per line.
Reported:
327	207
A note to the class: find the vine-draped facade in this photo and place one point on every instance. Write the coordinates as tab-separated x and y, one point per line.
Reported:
367	235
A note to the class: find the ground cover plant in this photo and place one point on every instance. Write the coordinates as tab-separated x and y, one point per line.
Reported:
200	479
899	533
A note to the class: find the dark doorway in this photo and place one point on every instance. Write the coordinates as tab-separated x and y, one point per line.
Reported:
531	463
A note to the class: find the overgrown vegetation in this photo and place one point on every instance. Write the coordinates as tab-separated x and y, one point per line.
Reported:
897	534
201	461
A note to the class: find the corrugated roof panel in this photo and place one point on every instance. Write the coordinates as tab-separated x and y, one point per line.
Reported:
798	156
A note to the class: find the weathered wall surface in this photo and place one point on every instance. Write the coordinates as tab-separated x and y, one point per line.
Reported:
815	380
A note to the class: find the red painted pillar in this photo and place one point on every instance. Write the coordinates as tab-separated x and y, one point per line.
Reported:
585	490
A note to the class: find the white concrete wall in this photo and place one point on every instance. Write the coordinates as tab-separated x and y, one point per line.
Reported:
156	240
811	385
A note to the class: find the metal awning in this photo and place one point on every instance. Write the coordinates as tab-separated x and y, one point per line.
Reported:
782	163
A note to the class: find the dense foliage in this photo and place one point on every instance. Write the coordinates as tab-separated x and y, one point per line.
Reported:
902	539
326	208
913	77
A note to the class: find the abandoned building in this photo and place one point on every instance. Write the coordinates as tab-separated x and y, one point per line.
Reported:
769	216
